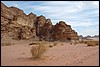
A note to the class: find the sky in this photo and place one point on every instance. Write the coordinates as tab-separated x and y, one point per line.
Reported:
83	16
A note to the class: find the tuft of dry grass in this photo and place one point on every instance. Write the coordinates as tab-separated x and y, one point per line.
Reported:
62	44
88	42
34	43
82	41
7	44
38	50
75	43
71	43
55	44
50	46
92	43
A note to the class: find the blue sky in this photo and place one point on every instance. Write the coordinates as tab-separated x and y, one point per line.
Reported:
83	16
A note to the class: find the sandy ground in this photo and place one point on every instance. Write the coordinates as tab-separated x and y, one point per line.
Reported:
65	55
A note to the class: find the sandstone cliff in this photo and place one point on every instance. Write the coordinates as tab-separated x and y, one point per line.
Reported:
17	25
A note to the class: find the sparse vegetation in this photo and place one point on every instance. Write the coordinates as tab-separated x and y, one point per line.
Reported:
38	50
92	43
82	41
55	43
71	43
34	43
88	42
50	45
7	44
75	43
62	44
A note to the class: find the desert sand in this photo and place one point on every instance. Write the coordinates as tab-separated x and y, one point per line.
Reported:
59	55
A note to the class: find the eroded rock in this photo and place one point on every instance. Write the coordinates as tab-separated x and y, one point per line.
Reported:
16	24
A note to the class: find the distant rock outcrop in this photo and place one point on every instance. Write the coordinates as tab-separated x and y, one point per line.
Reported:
21	26
61	31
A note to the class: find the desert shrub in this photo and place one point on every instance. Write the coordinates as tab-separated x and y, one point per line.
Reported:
74	43
7	44
34	43
82	41
62	44
50	46
85	42
38	50
55	44
92	43
71	43
96	42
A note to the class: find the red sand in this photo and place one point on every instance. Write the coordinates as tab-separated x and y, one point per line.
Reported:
66	55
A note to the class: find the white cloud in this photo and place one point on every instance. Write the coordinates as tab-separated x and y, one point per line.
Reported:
96	3
57	3
83	24
89	31
16	5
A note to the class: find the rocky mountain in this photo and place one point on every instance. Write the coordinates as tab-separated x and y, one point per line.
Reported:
96	36
17	25
80	36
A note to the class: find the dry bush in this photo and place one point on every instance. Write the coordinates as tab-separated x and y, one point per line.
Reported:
82	41
71	43
62	44
55	44
50	46
75	43
96	42
92	43
7	44
38	50
34	43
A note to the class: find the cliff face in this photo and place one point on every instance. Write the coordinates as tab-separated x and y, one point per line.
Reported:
61	31
16	24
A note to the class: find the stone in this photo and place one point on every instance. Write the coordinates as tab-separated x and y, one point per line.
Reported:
63	32
17	25
27	32
41	20
46	30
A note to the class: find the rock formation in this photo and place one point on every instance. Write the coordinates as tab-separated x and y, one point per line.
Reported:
16	24
46	30
61	31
